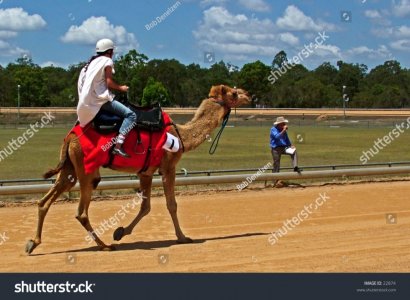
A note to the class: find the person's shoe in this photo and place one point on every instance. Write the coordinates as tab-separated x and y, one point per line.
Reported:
120	151
297	169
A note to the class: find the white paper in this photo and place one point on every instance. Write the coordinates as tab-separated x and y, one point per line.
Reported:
290	150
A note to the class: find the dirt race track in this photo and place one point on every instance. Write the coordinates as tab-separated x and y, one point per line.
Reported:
348	233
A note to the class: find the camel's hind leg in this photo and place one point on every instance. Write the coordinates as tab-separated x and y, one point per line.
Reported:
87	184
66	179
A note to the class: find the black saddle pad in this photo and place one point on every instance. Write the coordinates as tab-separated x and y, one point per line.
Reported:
105	122
148	119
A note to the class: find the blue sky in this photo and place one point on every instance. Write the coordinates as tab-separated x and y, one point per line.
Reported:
63	32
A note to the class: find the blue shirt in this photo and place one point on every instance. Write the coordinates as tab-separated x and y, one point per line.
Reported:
279	140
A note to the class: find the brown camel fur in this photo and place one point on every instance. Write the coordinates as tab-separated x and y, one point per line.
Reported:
70	168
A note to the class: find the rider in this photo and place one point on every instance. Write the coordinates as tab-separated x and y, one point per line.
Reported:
94	86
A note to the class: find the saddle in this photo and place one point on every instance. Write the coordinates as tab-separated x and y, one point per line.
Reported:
148	119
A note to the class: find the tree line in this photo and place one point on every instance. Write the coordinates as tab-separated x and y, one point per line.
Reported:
174	84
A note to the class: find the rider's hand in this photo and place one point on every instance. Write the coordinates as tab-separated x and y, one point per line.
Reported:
124	88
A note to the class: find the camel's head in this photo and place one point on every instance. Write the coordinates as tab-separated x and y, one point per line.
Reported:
229	97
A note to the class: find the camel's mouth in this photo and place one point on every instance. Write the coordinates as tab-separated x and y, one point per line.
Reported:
241	98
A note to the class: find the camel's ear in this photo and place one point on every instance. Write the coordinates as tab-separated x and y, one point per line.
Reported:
217	91
212	92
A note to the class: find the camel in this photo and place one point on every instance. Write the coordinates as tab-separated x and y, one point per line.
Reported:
70	168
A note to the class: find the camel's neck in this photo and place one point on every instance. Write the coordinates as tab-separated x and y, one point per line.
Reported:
199	129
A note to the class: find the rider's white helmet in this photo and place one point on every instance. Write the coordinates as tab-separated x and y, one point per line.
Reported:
104	45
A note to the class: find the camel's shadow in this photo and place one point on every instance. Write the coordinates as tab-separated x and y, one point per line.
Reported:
152	245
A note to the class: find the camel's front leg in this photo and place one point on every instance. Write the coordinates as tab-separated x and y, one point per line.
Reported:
168	182
145	189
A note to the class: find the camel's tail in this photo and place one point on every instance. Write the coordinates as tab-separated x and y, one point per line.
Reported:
63	158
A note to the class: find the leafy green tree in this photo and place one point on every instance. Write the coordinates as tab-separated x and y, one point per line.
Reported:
254	78
283	91
219	74
350	75
33	84
326	73
194	85
155	92
7	88
56	79
385	86
129	70
280	60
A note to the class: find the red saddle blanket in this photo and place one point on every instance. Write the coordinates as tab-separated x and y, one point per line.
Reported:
96	147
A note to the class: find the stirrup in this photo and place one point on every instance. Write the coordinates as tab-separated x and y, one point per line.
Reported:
135	148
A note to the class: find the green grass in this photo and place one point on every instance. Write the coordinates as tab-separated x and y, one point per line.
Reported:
239	147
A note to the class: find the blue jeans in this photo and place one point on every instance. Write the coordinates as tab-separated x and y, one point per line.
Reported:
117	108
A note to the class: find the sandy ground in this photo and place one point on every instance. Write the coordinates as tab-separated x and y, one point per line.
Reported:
348	233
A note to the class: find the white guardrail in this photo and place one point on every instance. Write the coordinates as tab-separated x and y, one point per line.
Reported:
217	179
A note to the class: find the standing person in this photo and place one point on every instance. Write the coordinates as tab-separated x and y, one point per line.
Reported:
280	144
94	86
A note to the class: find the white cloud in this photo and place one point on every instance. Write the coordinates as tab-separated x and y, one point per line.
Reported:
236	36
378	16
5	34
95	28
399	36
401	45
252	5
401	8
52	64
327	50
243	38
217	16
402	31
205	3
255	5
16	19
383	32
295	20
372	14
6	49
12	21
289	38
380	53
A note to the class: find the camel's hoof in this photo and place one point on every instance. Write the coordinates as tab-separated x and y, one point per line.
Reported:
186	240
118	233
30	246
108	248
